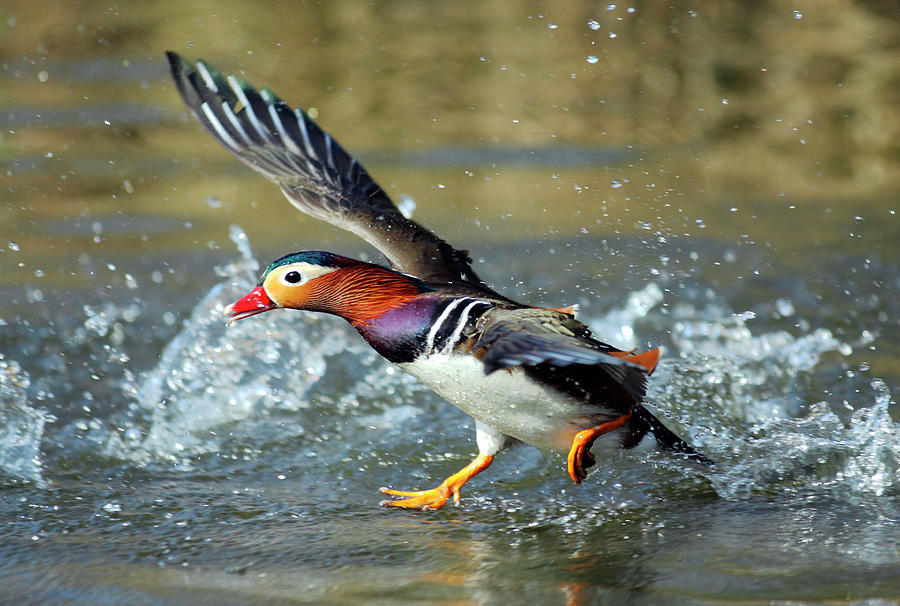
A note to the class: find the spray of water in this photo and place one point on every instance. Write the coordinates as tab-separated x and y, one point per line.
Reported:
737	393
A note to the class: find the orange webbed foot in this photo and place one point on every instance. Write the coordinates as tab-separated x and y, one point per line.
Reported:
580	457
437	497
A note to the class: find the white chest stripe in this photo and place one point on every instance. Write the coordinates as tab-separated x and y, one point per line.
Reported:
463	320
429	342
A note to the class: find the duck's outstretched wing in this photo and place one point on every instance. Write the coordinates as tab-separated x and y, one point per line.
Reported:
315	173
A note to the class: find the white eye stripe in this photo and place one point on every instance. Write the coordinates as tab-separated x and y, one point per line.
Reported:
307	272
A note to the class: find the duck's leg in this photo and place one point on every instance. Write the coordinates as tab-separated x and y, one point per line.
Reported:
489	441
580	456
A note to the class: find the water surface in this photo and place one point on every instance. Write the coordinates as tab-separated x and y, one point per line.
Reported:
719	180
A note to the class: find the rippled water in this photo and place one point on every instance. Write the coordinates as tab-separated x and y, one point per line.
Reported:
719	180
244	465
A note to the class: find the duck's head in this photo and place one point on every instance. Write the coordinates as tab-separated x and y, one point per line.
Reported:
323	281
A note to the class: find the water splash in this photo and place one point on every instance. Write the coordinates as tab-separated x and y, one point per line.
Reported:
617	326
743	397
740	395
21	426
210	377
745	376
818	452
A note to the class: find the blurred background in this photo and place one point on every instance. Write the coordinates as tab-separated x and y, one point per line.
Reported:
719	178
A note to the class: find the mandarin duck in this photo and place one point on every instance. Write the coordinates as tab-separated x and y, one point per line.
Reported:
529	373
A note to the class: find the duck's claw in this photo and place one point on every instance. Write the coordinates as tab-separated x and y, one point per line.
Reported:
437	497
580	457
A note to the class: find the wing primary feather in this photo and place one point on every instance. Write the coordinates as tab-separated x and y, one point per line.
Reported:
301	123
236	124
219	129
207	77
330	152
275	114
247	110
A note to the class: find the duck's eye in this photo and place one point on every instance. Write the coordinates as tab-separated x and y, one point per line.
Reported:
292	277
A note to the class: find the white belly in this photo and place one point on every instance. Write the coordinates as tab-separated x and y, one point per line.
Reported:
507	401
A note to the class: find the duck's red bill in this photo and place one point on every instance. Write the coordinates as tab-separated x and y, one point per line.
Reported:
254	302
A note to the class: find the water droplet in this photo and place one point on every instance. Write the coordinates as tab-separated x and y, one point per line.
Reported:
784	307
594	24
592	59
611	6
615	183
552	26
13	246
882	392
213	202
43	76
798	15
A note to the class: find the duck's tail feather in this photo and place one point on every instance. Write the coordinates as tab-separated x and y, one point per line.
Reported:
642	422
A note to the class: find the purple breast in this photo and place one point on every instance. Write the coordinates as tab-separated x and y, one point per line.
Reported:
400	333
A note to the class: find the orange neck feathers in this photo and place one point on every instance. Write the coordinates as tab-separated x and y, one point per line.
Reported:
362	293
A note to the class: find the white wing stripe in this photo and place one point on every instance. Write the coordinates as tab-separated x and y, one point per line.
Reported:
328	147
302	124
236	123
220	130
288	142
248	109
207	77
